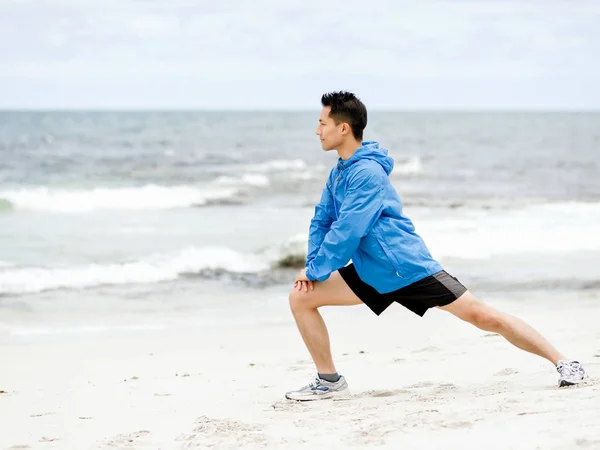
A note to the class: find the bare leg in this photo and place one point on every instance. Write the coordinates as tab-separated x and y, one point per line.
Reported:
513	329
304	305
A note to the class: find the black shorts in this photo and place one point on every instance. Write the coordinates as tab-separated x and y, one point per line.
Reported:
439	289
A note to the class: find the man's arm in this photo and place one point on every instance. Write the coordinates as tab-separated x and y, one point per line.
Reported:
319	225
359	211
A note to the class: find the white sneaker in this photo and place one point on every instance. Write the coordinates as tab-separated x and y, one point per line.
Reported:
320	389
571	372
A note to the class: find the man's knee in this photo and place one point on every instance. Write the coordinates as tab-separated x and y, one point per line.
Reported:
299	301
485	318
474	311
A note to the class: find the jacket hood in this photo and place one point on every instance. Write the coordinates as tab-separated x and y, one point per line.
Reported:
371	150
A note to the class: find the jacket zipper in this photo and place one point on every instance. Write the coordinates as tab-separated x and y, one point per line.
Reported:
335	186
387	254
335	183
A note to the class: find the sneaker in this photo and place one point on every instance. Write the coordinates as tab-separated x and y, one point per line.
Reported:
320	389
571	372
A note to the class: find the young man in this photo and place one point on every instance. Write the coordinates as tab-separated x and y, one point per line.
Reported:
360	218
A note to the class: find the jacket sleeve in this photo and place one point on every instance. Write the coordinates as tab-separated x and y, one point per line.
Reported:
319	224
360	209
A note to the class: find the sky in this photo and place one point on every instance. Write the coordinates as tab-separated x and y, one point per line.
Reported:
272	54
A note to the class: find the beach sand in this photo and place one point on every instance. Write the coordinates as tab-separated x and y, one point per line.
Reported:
433	383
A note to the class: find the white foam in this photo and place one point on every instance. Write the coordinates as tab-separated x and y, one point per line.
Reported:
550	228
277	165
293	247
128	198
262	175
247	179
411	166
155	268
471	234
478	234
304	176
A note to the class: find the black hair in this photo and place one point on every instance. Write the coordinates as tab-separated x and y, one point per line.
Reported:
346	107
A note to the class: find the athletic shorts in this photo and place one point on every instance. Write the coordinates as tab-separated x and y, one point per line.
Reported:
439	289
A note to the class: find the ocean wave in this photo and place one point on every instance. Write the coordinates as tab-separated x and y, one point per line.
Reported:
130	198
402	166
263	174
247	179
276	165
408	166
206	262
535	229
235	184
545	230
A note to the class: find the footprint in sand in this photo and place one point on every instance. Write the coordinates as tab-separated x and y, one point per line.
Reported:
126	440
456	425
445	387
585	443
374	433
391	393
507	371
430	348
423	412
289	405
210	432
421	384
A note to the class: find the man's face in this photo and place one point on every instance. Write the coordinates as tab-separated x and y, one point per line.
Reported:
331	135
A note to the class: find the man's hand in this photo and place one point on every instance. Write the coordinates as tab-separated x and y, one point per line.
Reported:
302	283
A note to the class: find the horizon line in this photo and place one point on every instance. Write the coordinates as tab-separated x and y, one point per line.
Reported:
300	110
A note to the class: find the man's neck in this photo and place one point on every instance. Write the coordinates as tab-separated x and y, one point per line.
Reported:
347	149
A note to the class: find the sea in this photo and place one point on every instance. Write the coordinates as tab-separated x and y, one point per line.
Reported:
133	220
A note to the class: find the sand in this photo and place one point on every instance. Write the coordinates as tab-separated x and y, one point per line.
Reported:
433	383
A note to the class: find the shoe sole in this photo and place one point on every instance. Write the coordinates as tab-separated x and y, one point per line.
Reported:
332	395
565	383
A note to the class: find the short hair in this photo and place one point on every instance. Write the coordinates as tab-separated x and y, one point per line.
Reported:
346	107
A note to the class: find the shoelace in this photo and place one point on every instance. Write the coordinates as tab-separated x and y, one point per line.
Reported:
315	382
569	369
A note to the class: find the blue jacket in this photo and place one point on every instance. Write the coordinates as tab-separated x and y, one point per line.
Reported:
360	218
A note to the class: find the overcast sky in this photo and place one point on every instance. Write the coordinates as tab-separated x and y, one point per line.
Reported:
277	54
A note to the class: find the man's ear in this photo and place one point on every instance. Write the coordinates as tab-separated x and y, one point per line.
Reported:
345	128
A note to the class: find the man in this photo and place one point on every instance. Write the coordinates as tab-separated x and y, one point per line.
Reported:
360	218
